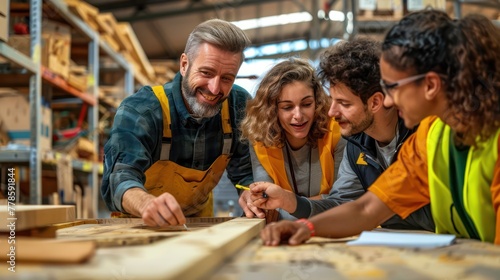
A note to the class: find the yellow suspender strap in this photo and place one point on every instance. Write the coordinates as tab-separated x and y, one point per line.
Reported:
226	121
162	97
226	127
167	132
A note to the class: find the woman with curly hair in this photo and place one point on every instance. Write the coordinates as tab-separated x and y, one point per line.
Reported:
295	144
443	74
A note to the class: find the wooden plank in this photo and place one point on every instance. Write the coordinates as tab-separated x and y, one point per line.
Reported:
88	209
199	253
64	173
106	22
131	231
48	231
192	220
118	36
188	256
32	216
46	251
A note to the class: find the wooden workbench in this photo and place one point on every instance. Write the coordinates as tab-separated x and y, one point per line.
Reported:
230	249
323	258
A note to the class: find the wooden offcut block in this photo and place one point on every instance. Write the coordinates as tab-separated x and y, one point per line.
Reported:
23	217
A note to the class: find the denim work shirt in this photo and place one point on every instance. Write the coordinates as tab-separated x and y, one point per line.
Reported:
136	139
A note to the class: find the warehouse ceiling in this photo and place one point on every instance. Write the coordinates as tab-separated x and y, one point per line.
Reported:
162	26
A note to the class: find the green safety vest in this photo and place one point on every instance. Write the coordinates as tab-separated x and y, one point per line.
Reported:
478	178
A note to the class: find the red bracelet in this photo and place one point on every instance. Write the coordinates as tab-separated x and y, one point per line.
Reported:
308	224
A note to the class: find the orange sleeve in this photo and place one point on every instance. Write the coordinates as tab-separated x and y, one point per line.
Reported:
404	186
495	195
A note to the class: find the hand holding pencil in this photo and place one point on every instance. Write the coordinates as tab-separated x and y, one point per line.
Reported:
269	196
264	195
246	203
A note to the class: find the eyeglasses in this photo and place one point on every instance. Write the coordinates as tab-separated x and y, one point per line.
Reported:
386	88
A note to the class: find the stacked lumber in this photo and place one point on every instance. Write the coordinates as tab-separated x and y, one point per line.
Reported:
135	51
108	32
86	12
119	36
24	225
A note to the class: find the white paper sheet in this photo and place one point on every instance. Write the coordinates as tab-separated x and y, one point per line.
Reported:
407	240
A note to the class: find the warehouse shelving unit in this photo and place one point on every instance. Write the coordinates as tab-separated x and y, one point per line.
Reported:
40	75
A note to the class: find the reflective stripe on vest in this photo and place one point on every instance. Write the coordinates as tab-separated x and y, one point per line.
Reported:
167	131
478	178
272	160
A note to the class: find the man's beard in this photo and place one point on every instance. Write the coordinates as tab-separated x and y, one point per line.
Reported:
360	126
196	108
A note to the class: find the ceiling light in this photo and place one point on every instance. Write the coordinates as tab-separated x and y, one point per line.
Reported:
253	23
273	20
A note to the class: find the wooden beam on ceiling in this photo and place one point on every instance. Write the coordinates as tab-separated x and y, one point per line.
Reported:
193	9
481	3
127	4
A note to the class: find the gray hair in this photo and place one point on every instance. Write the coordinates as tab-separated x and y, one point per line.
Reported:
219	33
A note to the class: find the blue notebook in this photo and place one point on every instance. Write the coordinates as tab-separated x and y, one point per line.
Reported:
407	240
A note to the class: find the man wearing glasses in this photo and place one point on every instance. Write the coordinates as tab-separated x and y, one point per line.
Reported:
374	133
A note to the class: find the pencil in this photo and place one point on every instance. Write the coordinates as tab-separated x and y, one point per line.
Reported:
241	187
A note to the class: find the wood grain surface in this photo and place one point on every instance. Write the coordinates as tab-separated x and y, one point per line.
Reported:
323	258
128	231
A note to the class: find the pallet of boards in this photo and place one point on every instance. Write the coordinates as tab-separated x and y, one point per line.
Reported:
118	35
102	23
85	11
